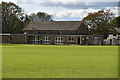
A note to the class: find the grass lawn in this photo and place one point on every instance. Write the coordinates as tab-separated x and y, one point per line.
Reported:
59	61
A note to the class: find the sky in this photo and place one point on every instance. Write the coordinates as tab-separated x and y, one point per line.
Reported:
66	10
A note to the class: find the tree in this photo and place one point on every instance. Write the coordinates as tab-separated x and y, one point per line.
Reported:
40	16
116	22
12	18
99	22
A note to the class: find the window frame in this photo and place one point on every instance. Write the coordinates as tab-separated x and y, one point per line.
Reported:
58	40
71	39
35	40
46	40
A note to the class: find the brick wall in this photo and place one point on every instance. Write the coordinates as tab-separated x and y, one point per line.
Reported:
5	39
17	39
23	39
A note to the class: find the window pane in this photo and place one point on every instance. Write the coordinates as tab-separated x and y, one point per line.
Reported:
71	39
58	40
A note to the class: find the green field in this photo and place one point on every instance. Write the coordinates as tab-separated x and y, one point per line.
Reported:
59	61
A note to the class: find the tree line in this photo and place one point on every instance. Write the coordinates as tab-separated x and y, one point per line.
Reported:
14	19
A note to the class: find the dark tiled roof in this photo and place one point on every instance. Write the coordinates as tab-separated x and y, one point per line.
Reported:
53	25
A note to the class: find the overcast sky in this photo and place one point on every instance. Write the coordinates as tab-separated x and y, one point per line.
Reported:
70	10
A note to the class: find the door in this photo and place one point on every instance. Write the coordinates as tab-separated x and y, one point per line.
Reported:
78	40
110	41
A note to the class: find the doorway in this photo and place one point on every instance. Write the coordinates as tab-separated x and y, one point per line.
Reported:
78	40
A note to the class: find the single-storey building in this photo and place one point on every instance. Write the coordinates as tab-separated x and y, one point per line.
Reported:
54	32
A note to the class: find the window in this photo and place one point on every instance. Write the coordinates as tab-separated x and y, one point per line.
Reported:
87	39
70	39
96	40
58	40
36	40
46	40
114	40
83	38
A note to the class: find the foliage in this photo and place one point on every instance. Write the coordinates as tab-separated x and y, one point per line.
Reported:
116	22
99	22
12	18
40	16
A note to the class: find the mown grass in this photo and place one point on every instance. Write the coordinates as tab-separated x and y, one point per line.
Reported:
59	61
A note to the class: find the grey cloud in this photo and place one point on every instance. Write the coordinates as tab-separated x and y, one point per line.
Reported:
82	5
68	19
